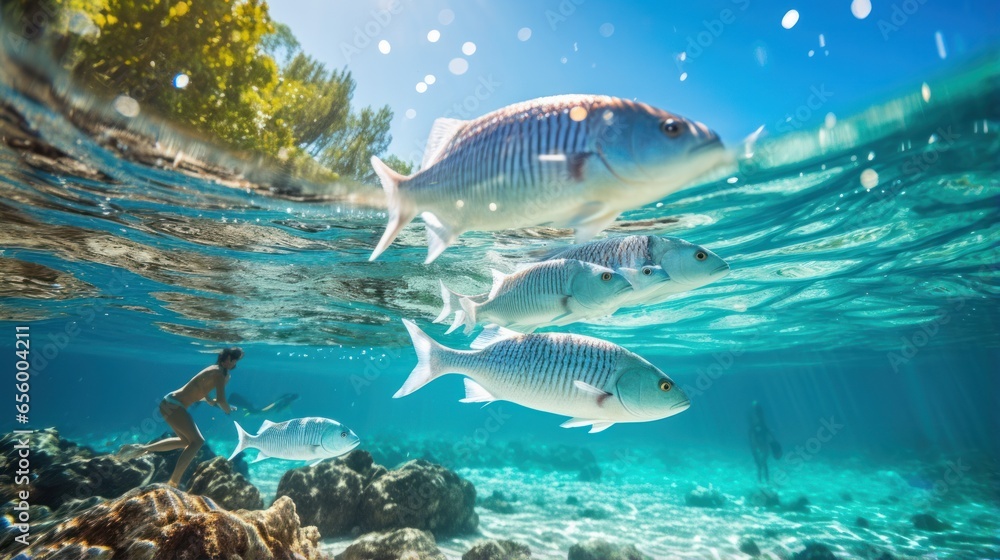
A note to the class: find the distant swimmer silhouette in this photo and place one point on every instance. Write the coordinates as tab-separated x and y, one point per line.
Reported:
174	406
762	442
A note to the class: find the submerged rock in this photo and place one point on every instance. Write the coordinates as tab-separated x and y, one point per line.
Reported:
216	479
420	495
814	551
764	497
163	523
328	494
498	502
596	549
600	511
927	522
748	546
498	550
411	544
705	497
798	505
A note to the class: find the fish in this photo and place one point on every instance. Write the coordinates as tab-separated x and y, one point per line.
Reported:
595	382
657	266
573	161
244	405
555	292
281	404
310	439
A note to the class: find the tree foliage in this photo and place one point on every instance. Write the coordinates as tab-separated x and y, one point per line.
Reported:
224	68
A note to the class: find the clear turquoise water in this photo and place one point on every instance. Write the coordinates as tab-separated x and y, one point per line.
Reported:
874	309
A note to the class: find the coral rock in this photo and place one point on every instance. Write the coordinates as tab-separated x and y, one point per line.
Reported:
596	549
328	494
411	544
815	551
705	497
216	479
498	550
927	522
163	523
421	495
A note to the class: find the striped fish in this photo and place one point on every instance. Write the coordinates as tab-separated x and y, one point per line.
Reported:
555	292
303	439
573	161
657	266
593	381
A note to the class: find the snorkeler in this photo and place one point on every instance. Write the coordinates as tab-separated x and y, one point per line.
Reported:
174	406
762	442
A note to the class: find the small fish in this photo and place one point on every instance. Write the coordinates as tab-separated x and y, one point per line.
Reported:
556	292
244	405
593	381
574	161
303	439
656	266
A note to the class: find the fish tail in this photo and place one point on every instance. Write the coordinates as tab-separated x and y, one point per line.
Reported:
245	440
401	212
450	303
429	360
469	310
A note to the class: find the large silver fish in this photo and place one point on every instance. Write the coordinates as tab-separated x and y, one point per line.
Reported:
574	161
550	293
304	439
656	266
593	381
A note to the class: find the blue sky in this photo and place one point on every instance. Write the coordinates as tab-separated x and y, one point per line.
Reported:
743	68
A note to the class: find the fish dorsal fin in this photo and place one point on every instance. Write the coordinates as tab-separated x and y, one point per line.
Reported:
474	392
267	424
491	335
442	131
498	278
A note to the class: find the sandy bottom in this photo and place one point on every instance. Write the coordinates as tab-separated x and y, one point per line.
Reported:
641	502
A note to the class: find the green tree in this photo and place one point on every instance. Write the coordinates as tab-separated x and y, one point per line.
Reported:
351	148
316	102
144	45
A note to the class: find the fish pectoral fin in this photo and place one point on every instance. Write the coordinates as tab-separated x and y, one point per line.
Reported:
490	335
260	457
600	427
439	235
600	394
474	392
592	218
576	164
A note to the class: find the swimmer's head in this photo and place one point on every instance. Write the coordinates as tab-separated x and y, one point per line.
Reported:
228	357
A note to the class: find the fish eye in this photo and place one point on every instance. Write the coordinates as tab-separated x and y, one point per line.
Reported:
343	434
647	270
606	276
665	385
700	255
671	128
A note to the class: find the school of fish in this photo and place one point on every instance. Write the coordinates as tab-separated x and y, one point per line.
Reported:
572	161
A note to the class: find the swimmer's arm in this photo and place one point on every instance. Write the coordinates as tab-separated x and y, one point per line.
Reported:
220	394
